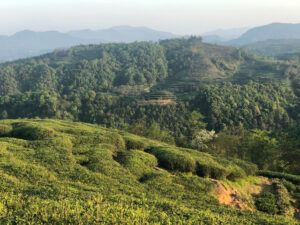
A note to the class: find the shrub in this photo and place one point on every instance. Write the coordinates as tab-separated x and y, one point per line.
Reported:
295	179
61	142
212	171
283	199
249	168
266	203
289	185
95	158
203	170
32	132
218	173
112	138
148	177
236	173
133	143
297	198
3	147
117	140
138	162
174	160
5	129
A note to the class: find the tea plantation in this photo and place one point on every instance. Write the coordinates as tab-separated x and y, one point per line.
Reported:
59	172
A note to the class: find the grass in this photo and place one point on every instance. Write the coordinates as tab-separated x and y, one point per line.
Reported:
60	172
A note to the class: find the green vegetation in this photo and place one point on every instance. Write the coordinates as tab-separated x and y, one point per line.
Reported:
125	81
84	174
5	129
289	177
174	160
275	47
30	132
253	105
284	200
277	200
171	91
267	203
137	162
177	91
182	117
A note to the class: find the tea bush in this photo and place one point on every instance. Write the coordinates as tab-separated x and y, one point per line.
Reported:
137	162
62	172
174	160
32	132
5	129
267	203
289	177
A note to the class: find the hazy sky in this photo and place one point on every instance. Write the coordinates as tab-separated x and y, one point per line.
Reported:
178	16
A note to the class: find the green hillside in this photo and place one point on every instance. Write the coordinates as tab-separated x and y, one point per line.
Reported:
176	64
215	99
275	47
119	84
59	172
192	63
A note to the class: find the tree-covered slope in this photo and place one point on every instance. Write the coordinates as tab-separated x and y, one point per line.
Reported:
108	67
275	47
123	85
87	68
73	83
253	105
59	172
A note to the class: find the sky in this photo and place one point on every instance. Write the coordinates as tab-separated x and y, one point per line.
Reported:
177	16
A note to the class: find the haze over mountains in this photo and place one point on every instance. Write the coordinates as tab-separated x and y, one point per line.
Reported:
273	39
274	31
29	43
223	35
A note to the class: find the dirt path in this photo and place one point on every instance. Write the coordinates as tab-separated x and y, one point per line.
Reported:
232	196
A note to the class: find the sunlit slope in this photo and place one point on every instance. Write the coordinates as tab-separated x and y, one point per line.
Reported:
56	172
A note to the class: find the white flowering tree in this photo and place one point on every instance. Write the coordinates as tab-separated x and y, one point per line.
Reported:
202	138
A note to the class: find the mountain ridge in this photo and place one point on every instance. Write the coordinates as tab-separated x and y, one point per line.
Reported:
220	36
269	31
29	43
132	34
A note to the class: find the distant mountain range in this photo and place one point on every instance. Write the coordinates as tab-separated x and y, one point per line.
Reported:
29	43
274	31
273	39
125	34
223	35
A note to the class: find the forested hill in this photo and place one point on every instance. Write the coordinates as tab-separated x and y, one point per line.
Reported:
106	67
120	85
275	47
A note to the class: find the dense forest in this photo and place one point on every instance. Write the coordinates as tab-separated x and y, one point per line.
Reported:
180	91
